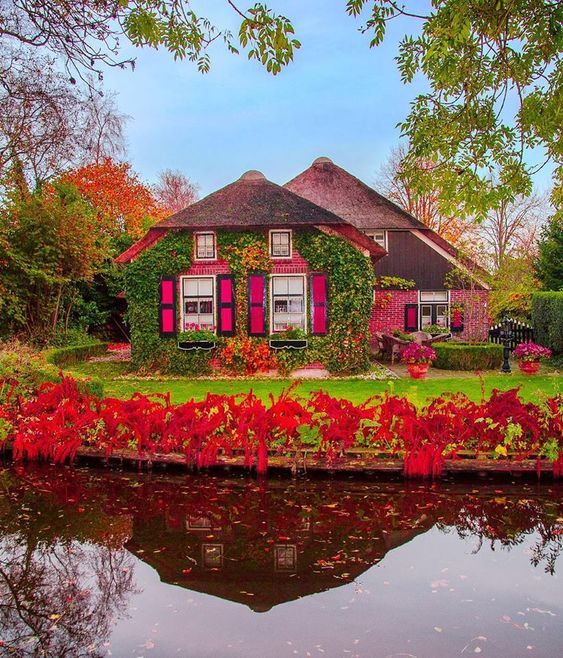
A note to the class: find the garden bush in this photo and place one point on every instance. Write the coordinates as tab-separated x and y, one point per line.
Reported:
547	319
67	356
456	355
23	370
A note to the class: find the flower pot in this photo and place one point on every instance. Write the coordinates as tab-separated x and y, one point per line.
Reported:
288	343
529	367
196	344
418	370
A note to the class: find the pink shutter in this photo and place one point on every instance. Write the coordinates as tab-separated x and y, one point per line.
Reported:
456	322
257	304
226	304
319	303
411	317
167	306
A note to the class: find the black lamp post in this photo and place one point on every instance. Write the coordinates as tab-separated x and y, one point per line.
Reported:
506	335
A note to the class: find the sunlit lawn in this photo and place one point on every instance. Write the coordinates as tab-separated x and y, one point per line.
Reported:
356	390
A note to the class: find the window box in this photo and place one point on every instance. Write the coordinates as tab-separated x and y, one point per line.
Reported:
196	344
288	343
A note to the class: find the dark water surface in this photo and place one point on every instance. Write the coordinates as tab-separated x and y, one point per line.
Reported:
101	563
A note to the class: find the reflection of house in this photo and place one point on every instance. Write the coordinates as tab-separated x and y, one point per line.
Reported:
265	559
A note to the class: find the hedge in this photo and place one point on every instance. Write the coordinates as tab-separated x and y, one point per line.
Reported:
468	356
67	356
547	319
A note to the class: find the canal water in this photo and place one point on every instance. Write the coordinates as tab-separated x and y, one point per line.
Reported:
106	563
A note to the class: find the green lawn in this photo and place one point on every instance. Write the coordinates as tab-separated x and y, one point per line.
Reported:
532	388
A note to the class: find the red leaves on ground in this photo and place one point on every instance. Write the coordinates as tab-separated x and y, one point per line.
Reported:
64	416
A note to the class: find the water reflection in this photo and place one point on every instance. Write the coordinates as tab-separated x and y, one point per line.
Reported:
69	540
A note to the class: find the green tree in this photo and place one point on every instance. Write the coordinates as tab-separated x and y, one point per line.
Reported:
549	263
47	246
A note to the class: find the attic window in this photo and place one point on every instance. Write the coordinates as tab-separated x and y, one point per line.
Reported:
280	244
380	237
205	246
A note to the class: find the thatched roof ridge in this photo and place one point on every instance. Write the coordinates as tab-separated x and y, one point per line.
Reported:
333	188
252	200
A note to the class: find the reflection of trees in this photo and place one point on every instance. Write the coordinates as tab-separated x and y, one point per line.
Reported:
61	599
507	522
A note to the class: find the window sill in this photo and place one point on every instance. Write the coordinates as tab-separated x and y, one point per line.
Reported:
186	345
288	343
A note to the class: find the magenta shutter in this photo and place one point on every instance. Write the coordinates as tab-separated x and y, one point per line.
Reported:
167	306
226	305
456	320
257	305
411	317
319	303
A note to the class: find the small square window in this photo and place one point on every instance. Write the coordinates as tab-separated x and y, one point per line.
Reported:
285	556
205	246
380	237
280	244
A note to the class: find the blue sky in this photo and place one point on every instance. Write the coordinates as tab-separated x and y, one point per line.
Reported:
339	98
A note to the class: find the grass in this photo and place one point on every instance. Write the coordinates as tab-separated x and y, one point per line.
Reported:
356	390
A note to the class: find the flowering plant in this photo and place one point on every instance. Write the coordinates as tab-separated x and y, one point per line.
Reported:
529	352
195	332
290	333
118	347
416	353
248	354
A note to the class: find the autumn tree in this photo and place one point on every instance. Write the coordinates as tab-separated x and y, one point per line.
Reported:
174	191
122	203
48	243
394	183
47	125
511	230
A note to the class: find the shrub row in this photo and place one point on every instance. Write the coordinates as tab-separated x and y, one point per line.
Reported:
23	371
468	356
547	319
67	356
63	417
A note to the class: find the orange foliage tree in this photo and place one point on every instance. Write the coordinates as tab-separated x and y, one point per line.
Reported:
122	202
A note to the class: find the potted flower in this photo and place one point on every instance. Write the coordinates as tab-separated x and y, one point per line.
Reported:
196	337
529	355
291	338
436	329
418	358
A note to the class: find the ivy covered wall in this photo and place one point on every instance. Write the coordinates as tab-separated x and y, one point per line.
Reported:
350	279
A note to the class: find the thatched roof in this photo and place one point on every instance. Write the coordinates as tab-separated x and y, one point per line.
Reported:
333	188
252	202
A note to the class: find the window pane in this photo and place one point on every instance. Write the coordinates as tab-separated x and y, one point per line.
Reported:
191	306
206	306
280	243
281	284
280	306
190	287
296	304
205	287
296	285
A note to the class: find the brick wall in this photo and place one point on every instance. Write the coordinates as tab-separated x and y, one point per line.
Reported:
294	265
392	316
476	320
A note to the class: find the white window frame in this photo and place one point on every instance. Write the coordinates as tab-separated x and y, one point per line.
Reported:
371	234
207	259
433	302
280	230
271	296
213	293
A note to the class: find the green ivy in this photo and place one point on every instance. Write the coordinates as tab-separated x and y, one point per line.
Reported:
151	351
345	349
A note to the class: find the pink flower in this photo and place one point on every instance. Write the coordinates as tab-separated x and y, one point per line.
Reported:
415	353
531	352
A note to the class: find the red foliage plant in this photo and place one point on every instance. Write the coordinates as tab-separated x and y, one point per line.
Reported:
64	417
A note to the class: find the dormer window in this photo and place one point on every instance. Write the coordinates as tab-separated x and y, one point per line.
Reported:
205	246
280	244
380	237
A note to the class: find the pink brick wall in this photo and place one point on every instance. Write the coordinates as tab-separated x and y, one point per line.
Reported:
392	316
476	321
294	265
